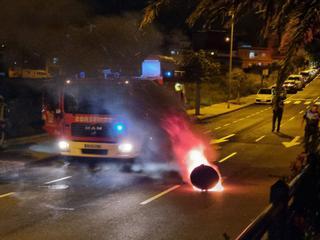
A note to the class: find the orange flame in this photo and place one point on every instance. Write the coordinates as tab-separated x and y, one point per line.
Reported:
189	148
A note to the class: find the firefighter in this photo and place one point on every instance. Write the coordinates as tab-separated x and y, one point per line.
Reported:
311	130
277	108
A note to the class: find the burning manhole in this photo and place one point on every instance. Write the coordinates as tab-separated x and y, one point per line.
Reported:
204	177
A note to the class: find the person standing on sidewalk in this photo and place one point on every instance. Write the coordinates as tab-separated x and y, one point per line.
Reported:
311	130
277	108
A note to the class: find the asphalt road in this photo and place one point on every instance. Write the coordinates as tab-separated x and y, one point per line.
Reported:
53	200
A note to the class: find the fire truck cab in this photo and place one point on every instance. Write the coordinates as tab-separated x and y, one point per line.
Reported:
89	118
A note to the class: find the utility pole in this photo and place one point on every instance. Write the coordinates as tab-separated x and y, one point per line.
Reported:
230	57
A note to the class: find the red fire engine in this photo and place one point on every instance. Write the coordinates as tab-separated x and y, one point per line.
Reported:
88	118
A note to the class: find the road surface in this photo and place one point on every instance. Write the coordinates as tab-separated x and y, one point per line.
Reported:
52	200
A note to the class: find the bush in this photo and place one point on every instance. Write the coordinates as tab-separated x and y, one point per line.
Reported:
215	89
211	93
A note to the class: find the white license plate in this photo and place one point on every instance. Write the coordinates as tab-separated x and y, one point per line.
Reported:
92	146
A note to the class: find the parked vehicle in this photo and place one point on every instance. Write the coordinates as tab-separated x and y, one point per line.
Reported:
265	96
307	75
290	86
298	80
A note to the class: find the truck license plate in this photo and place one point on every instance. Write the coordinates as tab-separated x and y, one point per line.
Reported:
92	146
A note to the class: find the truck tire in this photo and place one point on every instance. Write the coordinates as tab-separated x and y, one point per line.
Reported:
2	138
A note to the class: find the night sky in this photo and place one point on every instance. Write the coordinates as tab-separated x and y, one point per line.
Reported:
116	6
249	26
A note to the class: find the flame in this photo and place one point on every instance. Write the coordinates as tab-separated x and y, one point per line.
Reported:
189	148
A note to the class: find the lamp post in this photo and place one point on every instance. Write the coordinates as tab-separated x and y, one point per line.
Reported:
230	57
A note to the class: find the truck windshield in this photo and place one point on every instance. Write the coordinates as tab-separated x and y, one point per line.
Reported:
92	99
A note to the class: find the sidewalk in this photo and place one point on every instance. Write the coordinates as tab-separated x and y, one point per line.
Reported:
26	150
26	140
221	108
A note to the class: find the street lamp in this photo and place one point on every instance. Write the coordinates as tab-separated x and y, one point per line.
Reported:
230	57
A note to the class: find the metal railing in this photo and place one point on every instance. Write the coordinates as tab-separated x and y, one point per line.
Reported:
275	219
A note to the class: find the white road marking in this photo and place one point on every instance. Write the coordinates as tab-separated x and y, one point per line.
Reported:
226	125
217	128
58	208
292	118
160	195
207	131
227	157
297	102
307	102
287	102
301	112
259	139
223	139
293	142
241	119
6	194
58	180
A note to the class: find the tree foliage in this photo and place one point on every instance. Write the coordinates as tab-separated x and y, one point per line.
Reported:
295	22
70	31
199	67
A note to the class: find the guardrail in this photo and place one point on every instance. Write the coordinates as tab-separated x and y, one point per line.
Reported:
285	199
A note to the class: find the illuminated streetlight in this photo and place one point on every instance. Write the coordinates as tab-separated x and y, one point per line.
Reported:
230	56
227	39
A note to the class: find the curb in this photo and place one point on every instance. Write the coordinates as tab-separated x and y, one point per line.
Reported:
23	140
199	120
41	160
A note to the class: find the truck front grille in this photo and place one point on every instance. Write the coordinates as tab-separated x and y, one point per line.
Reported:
91	130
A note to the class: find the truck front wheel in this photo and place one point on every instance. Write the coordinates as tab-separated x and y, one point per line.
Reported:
2	138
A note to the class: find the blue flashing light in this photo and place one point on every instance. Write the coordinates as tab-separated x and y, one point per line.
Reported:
151	68
119	127
168	74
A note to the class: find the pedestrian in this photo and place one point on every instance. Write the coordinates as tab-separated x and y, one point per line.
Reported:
311	130
277	107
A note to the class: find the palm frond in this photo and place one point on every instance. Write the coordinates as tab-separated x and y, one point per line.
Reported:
151	11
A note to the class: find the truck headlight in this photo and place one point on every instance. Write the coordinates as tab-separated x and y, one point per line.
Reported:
125	147
63	145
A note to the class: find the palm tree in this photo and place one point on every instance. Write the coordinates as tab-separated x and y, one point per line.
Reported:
295	22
